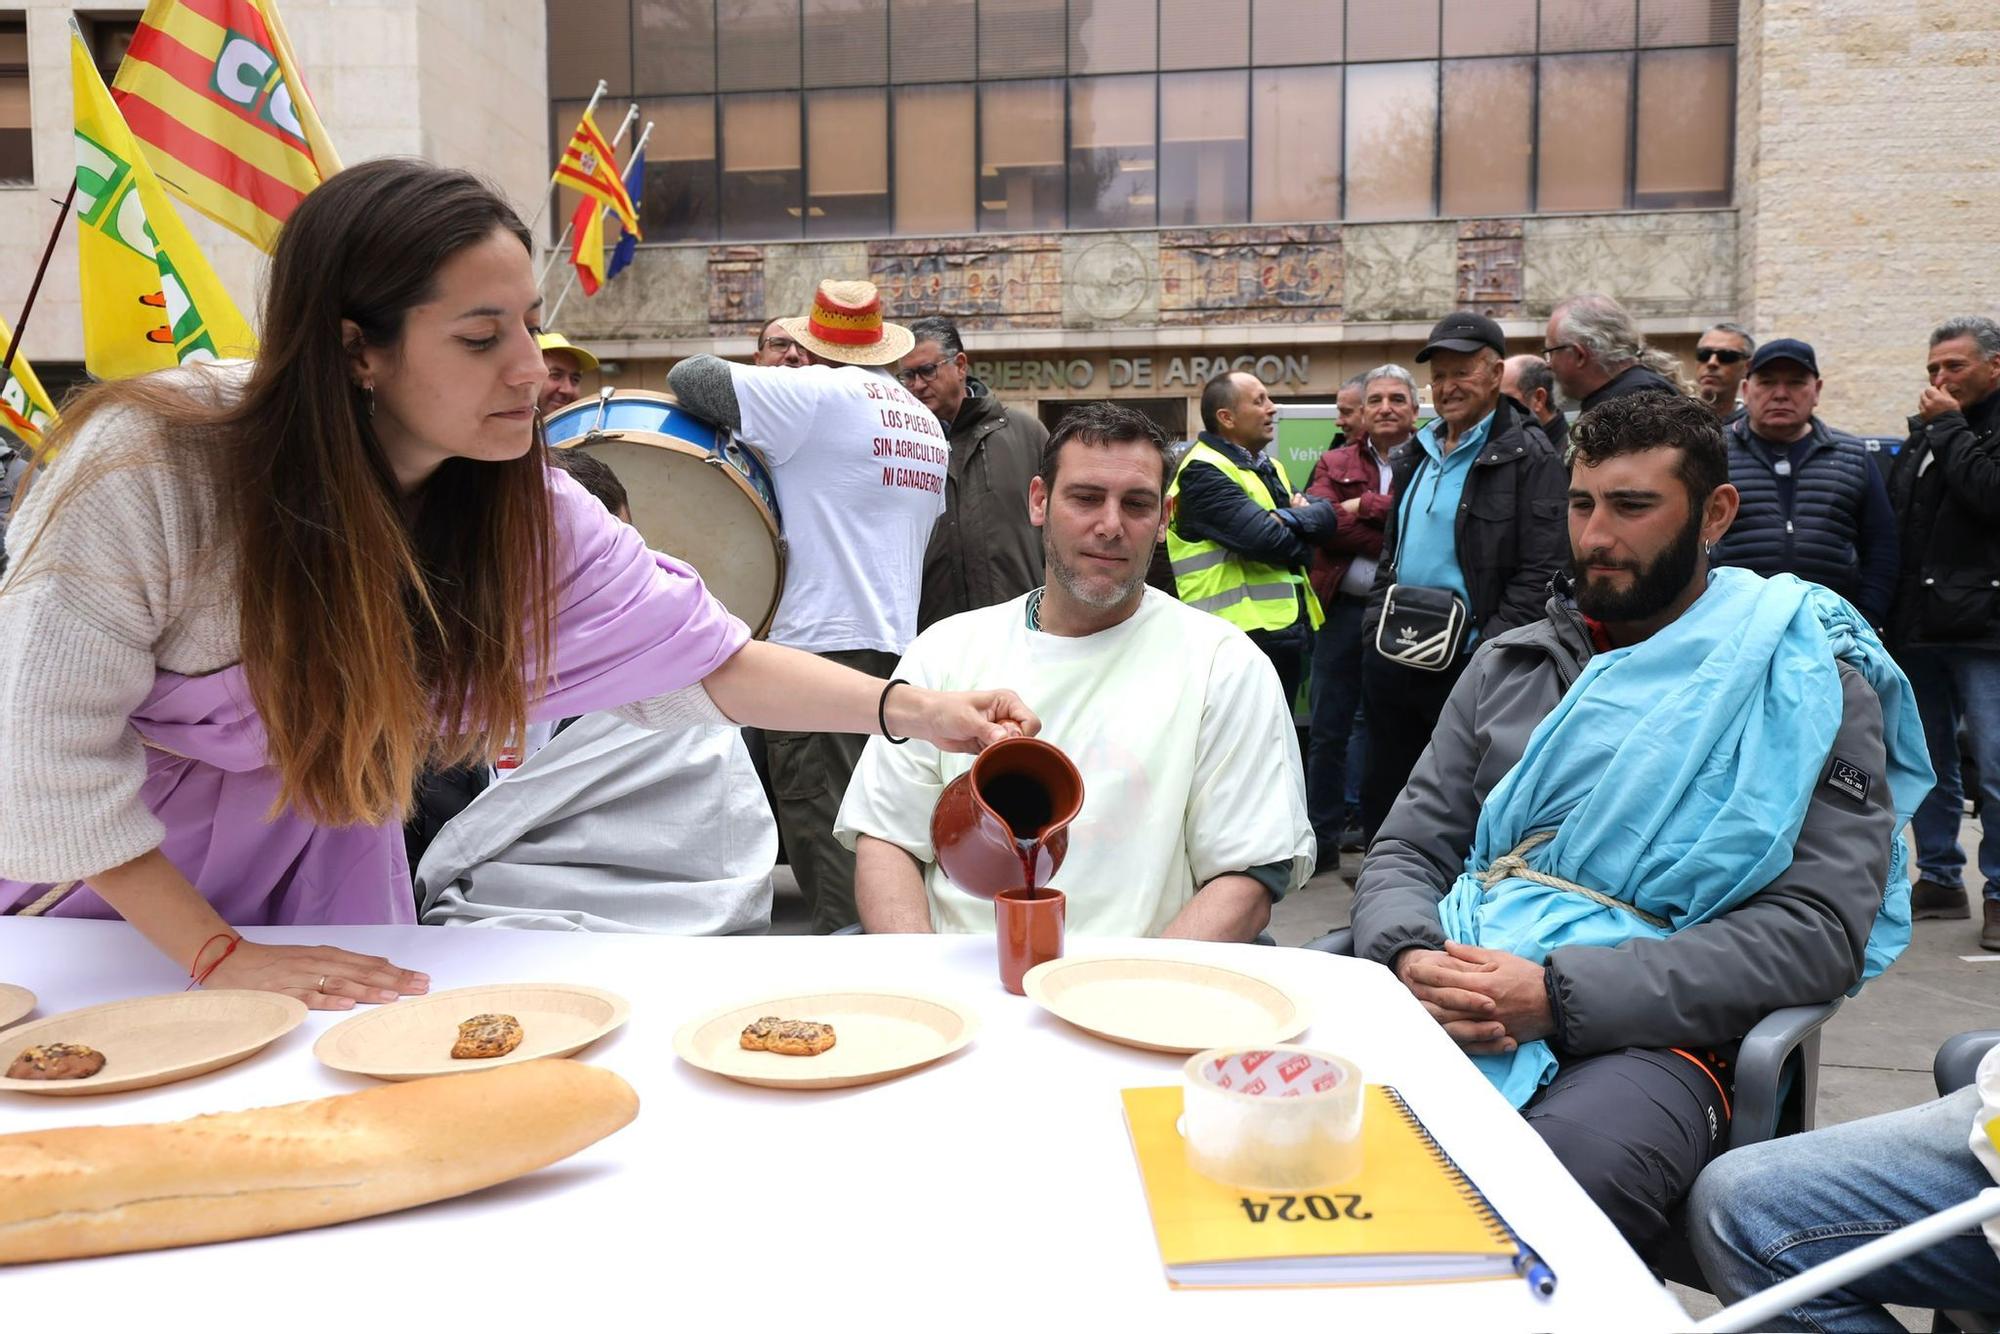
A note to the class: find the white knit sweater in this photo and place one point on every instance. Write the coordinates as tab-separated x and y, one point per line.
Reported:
118	569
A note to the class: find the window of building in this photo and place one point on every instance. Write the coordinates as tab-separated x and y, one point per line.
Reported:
1391	32
1489	134
1295	144
1297	32
757	44
819	118
936	158
760	166
847	152
932	41
1204	148
1204	34
17	123
673	49
107	35
1113	36
1113	161
1023	38
1589	25
1584	128
1021	175
846	43
1686	114
1489	27
680	200
1391	143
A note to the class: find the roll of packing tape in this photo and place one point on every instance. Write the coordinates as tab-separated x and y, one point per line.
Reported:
1272	1118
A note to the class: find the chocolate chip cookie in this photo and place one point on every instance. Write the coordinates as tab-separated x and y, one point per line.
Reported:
56	1060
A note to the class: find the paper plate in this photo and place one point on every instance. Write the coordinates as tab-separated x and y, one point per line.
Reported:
157	1039
15	1002
1165	1004
877	1035
412	1038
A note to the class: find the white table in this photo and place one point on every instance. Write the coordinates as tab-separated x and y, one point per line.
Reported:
996	1186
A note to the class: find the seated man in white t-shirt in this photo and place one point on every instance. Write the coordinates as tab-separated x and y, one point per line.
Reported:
859	467
1194	816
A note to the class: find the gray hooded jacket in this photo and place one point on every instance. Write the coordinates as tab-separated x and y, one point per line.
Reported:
1799	941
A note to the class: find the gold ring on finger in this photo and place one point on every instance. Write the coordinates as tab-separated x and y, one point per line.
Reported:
322	983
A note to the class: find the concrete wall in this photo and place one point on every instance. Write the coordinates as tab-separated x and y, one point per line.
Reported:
1227	288
457	81
1868	176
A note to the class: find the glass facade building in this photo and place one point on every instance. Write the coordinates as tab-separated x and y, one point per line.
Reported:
785	120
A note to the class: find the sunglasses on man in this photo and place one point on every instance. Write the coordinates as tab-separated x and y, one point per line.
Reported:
1726	356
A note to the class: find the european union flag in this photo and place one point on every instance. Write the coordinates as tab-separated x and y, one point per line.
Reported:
635	186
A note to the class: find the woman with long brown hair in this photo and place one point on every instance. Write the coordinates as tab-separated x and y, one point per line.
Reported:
247	603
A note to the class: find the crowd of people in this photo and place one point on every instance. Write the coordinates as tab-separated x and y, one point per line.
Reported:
1628	708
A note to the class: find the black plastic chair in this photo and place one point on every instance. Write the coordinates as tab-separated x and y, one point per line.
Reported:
1955	1066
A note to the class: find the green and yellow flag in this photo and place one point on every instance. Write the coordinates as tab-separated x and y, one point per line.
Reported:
25	408
150	301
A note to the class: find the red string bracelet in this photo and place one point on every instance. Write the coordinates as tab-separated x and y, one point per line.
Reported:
198	975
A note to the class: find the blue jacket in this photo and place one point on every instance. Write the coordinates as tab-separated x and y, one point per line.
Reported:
1828	520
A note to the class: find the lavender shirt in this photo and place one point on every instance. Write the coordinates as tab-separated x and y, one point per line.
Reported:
630	624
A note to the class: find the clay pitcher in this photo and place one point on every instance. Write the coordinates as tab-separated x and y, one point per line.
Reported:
1004	823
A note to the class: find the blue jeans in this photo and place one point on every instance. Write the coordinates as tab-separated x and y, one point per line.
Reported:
1955	684
1761	1214
1331	773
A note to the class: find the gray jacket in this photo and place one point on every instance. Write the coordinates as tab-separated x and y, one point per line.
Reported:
1799	941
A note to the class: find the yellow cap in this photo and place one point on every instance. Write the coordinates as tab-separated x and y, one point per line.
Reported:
551	341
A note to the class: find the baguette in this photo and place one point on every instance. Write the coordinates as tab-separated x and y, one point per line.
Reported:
100	1190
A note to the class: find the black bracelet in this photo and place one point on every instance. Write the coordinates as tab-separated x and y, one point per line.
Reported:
882	714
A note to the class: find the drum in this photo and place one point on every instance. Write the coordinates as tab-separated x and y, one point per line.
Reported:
697	494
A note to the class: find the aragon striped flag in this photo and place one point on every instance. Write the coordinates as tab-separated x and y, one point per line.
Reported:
212	90
150	301
590	167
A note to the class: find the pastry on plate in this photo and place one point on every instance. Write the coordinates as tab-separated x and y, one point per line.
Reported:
56	1060
787	1037
485	1036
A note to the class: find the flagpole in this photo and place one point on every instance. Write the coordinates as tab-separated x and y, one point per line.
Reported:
541	281
638	148
14	343
603	87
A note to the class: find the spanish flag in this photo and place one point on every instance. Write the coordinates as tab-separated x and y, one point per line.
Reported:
150	300
587	251
212	90
589	167
25	408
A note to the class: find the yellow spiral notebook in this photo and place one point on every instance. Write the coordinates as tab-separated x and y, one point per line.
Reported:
1410	1216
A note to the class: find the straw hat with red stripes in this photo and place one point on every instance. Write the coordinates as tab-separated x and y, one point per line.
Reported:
846	325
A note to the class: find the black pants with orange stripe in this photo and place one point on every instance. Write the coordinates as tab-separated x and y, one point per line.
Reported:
1635	1127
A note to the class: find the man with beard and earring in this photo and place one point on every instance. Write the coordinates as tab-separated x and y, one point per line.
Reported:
1647	821
1194	816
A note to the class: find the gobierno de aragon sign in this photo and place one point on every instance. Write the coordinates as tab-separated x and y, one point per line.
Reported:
1079	373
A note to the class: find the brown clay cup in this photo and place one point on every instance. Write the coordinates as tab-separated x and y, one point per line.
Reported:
1028	930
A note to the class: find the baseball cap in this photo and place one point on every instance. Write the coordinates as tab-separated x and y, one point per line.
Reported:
1785	349
1464	331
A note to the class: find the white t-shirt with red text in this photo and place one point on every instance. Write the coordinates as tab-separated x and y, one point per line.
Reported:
859	466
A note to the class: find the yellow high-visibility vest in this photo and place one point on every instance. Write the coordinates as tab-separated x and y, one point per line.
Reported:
1247	593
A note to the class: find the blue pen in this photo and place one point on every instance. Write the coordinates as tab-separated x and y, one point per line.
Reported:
1528	1265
